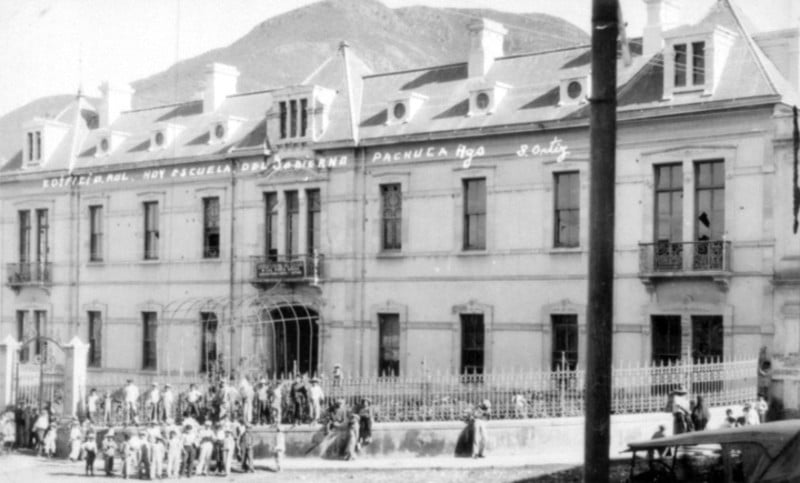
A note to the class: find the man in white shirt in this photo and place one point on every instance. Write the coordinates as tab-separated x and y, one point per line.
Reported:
192	399
246	392
167	403
131	401
153	398
91	405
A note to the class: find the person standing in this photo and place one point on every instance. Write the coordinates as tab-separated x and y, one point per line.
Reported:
750	415
174	448
351	447
700	415
109	451
89	448
192	400
262	403
153	399
228	449
679	407
280	447
188	441
206	437
365	422
761	409
75	440
107	405
246	445
482	415
276	402
167	403
298	399
315	396
159	452
131	401
246	393
92	403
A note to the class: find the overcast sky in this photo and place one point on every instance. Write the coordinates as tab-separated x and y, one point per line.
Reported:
53	46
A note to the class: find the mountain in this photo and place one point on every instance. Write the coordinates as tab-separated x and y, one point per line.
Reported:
285	49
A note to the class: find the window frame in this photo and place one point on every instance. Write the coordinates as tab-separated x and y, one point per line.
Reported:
207	319
211	227
475	215
573	209
152	232
313	220
669	189
25	241
670	355
271	217
95	233
389	367
395	220
293	229
149	340
559	324
42	235
466	366
95	331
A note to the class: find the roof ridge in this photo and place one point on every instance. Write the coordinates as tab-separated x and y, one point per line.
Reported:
162	106
418	69
748	38
541	52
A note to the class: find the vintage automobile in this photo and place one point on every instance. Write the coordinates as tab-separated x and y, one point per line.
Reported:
768	452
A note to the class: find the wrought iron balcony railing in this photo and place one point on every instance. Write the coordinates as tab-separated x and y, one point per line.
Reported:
293	268
665	257
29	273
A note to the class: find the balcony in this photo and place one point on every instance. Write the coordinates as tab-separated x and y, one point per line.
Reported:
29	274
288	269
700	259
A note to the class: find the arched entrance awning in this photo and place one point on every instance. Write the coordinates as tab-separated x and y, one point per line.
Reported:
268	334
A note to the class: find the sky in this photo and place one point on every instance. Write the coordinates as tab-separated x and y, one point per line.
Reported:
55	46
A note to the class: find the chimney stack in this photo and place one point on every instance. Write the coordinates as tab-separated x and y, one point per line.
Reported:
661	15
220	83
116	98
486	44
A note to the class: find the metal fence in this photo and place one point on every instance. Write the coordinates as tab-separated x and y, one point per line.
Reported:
436	396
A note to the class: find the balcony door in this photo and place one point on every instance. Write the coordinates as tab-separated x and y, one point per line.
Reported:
669	217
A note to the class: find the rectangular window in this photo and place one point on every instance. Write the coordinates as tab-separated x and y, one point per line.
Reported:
475	214
43	231
710	200
151	233
292	224
680	65
389	334
293	118
314	212
95	338
565	342
284	118
567	209
391	216
23	334
30	146
706	338
211	227
271	226
149	354
668	217
303	117
472	337
24	236
38	147
665	335
698	63
208	342
96	233
40	326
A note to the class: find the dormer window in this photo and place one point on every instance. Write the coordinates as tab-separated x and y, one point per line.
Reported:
574	90
163	135
102	147
403	107
294	118
690	58
221	129
34	152
484	97
108	141
694	59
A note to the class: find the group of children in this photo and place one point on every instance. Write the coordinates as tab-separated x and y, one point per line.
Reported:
168	451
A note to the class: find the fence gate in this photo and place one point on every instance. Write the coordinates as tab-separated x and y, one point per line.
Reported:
39	377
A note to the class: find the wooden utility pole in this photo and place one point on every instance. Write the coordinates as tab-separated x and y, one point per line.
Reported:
602	137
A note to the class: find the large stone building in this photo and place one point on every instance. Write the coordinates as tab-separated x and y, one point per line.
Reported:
435	217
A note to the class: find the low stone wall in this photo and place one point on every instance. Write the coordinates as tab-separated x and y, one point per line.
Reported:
556	440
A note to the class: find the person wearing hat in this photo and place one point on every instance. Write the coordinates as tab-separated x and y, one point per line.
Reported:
280	447
206	437
92	404
109	451
151	404
246	447
145	454
167	405
315	396
262	402
228	450
678	405
481	416
174	448
365	423
337	375
189	443
89	448
131	401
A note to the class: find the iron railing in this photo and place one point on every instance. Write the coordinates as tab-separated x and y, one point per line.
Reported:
282	268
438	396
29	273
684	257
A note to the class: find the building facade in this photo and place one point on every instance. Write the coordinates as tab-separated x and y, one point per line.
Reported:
433	218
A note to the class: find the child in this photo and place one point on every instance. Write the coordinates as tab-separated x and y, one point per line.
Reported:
228	448
280	447
109	451
188	441
157	465
246	447
50	441
89	448
174	447
206	436
75	441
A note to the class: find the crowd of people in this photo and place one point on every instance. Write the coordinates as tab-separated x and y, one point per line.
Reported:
694	415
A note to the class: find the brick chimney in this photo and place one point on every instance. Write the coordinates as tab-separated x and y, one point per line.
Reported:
485	44
116	98
661	15
220	83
